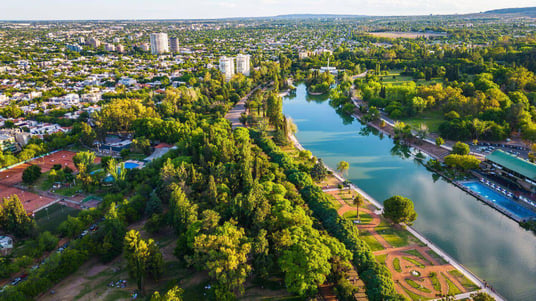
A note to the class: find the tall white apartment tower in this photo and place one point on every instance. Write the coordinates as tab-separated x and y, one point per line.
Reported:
242	64
227	66
174	44
159	43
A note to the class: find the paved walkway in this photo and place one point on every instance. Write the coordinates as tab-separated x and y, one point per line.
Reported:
430	263
240	107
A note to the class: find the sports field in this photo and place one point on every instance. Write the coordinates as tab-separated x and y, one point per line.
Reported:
11	178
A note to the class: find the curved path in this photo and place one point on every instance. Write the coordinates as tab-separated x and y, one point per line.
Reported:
401	278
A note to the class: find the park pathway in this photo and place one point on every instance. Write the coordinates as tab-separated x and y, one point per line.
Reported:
240	107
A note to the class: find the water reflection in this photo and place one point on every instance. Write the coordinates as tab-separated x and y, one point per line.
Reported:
490	244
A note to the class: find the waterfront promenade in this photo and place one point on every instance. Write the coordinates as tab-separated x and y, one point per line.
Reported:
466	272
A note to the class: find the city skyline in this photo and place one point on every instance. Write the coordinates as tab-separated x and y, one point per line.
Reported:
208	9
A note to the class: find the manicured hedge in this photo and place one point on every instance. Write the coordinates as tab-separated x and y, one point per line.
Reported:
376	276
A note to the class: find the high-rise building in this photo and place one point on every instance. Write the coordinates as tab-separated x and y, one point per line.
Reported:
227	66
109	47
174	44
120	48
74	47
94	42
159	43
242	64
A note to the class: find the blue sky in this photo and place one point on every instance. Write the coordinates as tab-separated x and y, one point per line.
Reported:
193	9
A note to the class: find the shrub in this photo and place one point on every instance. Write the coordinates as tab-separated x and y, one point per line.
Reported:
461	148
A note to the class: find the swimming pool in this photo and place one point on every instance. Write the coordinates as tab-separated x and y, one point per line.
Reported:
500	200
131	165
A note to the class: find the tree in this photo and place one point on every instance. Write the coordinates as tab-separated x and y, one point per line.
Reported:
422	131
319	171
174	294
460	148
141	145
343	167
399	210
110	235
71	227
274	109
224	254
481	296
118	173
13	217
358	202
142	256
464	162
182	212
84	158
439	141
31	174
402	130
87	134
136	252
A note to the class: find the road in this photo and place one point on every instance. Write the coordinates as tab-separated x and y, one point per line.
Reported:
240	107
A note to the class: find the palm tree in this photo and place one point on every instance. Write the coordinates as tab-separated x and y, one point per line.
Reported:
358	202
343	167
422	131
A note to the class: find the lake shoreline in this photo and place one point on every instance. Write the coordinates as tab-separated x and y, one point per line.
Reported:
465	271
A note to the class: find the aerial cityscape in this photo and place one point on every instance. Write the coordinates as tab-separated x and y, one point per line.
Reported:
268	150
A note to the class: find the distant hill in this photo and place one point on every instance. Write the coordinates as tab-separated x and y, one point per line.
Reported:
316	16
525	11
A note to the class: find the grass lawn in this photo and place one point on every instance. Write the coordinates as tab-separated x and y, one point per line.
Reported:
69	191
364	217
136	156
435	282
44	183
431	119
467	284
414	296
401	79
334	202
381	258
396	238
416	285
453	289
347	196
371	241
418	254
435	256
396	265
415	262
117	295
49	219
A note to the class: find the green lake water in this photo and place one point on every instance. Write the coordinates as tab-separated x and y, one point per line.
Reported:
491	245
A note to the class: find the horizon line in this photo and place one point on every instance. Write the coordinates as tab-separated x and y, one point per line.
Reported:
258	17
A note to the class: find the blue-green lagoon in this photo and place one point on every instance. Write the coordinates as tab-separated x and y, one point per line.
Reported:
490	244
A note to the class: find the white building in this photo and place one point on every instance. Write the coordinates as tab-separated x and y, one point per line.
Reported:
109	47
242	64
227	66
6	244
174	44
159	43
127	81
94	42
